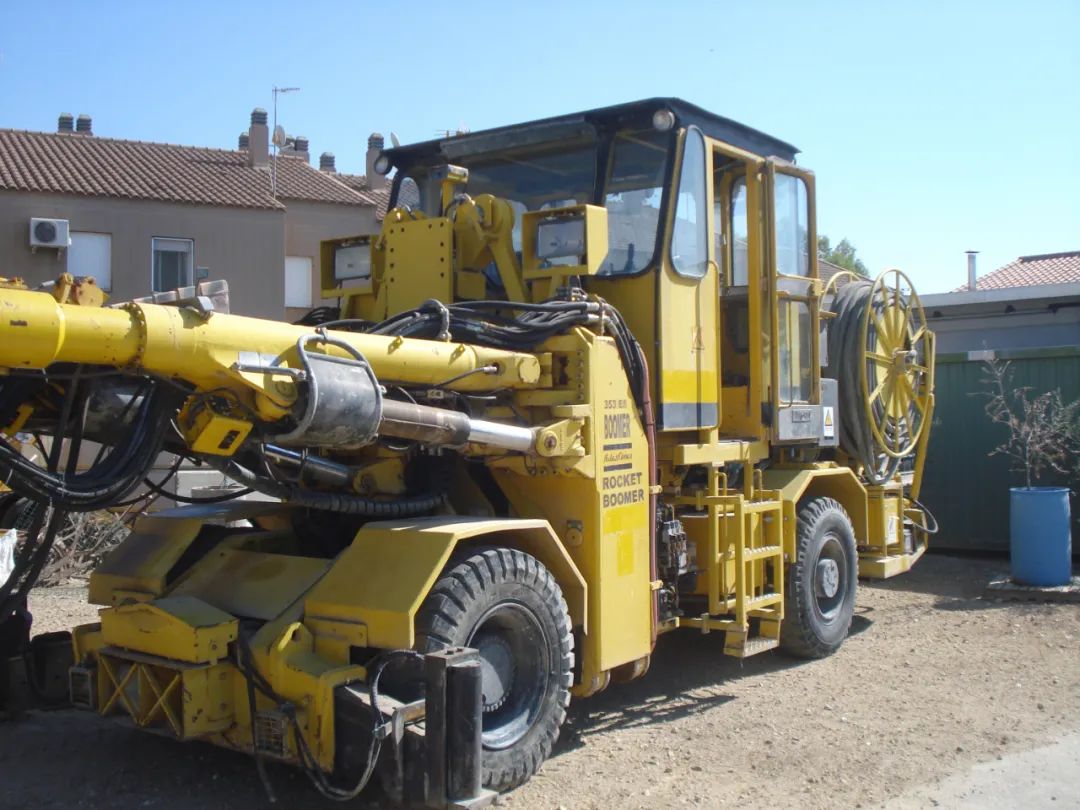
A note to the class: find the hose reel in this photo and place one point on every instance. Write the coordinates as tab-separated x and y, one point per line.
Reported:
881	354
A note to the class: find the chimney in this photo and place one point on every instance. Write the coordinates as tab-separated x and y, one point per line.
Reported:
326	163
300	147
66	123
242	141
971	269
374	148
83	125
258	139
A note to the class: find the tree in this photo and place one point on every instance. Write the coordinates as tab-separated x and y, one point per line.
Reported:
843	255
1044	430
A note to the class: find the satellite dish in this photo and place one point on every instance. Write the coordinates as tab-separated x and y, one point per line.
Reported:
394	140
279	136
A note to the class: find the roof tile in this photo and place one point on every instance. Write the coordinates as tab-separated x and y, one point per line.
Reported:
1029	271
87	165
379	197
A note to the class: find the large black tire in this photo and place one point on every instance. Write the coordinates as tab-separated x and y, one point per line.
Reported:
507	605
820	590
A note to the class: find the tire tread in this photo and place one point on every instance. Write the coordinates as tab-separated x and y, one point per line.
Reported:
472	579
797	635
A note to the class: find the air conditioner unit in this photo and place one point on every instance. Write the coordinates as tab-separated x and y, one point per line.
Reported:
49	233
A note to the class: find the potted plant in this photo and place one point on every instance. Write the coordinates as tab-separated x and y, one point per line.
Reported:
1043	436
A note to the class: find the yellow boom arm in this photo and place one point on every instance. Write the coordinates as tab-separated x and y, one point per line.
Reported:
220	350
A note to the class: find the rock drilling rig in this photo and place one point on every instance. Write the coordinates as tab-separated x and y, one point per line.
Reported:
585	387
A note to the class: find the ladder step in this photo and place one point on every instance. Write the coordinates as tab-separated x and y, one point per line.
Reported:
764	601
762	552
753	646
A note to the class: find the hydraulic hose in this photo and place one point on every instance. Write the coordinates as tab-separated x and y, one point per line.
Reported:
105	482
847	359
344	503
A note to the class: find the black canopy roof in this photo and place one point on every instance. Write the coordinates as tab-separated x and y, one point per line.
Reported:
619	116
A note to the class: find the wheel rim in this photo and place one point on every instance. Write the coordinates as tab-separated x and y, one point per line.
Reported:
830	578
514	664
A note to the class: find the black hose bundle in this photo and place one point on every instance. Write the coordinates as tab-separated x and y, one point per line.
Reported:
848	364
340	502
482	323
107	481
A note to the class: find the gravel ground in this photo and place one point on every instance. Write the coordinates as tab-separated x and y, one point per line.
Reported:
933	680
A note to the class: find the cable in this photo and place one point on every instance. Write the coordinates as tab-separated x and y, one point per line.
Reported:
14	591
469	323
112	477
159	489
245	664
469	373
847	359
930	516
345	503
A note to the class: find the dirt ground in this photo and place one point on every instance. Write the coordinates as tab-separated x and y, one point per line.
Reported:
933	680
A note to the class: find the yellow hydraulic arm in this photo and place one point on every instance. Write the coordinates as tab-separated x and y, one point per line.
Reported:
36	331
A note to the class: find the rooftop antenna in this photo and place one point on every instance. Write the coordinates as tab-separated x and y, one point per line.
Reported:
279	137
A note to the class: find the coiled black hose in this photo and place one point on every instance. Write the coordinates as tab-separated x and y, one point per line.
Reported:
847	364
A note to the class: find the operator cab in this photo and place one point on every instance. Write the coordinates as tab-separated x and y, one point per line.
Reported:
709	249
617	157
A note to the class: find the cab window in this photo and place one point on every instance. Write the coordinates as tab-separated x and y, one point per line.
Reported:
689	238
794	343
633	194
792	229
740	235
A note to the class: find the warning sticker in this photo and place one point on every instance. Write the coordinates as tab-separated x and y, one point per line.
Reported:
828	422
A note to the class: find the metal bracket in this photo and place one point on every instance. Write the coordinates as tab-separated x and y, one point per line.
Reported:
452	728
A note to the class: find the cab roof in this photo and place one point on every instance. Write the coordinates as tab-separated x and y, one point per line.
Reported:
632	114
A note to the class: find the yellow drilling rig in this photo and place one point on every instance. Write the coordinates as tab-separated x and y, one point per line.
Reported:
587	386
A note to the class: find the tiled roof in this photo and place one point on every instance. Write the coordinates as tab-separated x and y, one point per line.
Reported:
87	165
826	269
379	197
1029	271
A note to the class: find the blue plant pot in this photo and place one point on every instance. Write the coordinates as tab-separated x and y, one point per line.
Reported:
1040	541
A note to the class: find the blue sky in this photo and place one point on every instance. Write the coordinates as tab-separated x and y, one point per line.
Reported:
932	127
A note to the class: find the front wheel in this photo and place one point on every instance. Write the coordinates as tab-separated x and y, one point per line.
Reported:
820	589
507	605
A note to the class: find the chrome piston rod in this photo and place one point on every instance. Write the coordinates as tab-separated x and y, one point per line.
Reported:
428	425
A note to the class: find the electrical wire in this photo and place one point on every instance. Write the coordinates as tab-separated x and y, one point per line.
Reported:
255	680
929	515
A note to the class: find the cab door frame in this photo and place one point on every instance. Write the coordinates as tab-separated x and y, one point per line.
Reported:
786	290
688	383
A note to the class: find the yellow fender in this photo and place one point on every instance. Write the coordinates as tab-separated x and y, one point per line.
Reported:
832	481
379	582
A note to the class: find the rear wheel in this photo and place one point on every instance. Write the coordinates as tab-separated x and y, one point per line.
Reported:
508	606
820	598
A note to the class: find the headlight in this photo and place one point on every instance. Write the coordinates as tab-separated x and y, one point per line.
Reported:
560	238
352	261
663	120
